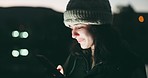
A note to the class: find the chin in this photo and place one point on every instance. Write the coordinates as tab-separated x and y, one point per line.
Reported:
84	47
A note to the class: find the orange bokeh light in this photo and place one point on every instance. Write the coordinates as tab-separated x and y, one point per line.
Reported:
141	19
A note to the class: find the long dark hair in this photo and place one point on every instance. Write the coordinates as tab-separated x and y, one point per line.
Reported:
107	42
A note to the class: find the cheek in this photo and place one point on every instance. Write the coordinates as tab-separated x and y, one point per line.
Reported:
89	40
89	36
88	43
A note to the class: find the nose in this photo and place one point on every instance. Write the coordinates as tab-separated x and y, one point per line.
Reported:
74	33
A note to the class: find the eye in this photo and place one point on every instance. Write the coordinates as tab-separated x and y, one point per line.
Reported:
80	27
70	27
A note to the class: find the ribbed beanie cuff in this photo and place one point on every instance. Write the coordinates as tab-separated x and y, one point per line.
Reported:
72	17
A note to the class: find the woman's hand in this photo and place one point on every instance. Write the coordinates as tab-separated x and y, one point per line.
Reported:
60	68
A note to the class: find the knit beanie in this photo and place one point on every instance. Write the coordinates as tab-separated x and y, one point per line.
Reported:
92	12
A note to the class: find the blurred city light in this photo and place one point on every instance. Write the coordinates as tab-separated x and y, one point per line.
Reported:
141	19
15	53
24	34
15	34
24	52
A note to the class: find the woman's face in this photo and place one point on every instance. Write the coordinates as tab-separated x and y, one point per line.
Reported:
81	33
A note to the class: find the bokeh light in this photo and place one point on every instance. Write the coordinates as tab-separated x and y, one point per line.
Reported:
141	19
15	33
24	52
24	34
15	53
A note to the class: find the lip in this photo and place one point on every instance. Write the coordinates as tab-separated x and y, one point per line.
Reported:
80	40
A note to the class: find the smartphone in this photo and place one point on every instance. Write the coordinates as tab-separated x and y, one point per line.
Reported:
51	69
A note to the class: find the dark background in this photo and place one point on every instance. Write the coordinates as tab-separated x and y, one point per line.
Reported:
49	37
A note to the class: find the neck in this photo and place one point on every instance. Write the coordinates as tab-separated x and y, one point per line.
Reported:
93	61
92	49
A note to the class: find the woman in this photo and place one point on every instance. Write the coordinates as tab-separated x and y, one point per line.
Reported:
98	51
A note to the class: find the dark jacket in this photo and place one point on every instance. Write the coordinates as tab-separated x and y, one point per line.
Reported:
79	66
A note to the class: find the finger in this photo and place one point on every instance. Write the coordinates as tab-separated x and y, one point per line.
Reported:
60	68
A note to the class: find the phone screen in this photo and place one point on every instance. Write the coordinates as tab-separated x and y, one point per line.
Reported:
50	67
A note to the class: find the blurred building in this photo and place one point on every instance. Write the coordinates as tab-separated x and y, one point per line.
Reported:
26	32
134	28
